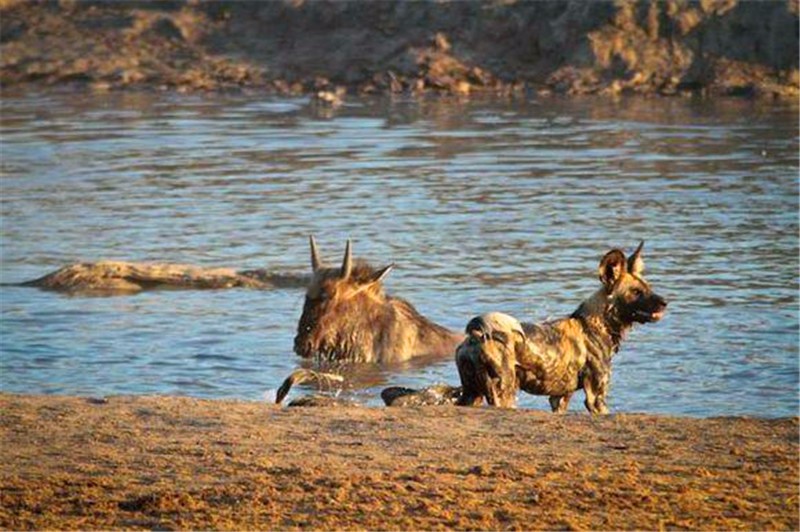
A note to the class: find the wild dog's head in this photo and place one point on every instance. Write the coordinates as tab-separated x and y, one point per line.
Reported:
342	309
627	291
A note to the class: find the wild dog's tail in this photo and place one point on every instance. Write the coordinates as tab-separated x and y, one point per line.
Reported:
487	358
300	376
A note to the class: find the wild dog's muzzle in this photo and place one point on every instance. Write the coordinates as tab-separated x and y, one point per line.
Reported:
653	311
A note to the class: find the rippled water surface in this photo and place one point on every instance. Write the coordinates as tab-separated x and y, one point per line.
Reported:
483	206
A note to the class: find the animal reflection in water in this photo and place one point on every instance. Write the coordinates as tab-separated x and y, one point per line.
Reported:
348	317
501	355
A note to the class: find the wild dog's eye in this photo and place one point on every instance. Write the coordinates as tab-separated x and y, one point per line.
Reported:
637	292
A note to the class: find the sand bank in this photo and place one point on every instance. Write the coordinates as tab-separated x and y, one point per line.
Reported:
167	462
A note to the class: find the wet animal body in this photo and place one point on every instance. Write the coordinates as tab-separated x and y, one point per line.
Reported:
438	394
347	317
501	355
324	381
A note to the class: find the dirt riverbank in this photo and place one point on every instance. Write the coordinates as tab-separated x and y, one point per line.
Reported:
722	47
165	463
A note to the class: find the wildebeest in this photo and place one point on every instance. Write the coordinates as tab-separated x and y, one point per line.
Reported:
348	317
556	358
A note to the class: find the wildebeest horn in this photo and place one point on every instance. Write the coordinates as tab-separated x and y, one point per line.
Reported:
316	262
347	263
381	274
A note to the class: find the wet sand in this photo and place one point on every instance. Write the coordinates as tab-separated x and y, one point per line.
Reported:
169	462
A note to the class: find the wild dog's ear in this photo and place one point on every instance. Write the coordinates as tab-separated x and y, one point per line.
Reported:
316	262
612	268
635	261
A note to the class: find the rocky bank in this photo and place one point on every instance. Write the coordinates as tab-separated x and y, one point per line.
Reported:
712	47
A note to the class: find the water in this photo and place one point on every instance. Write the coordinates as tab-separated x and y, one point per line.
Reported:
483	205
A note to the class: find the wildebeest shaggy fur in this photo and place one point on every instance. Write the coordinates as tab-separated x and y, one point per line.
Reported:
348	317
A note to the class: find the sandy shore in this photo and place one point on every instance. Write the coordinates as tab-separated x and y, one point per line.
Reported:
167	462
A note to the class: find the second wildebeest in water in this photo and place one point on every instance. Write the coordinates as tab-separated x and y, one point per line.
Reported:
347	317
556	358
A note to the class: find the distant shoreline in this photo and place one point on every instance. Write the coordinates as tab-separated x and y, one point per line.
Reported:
172	462
460	48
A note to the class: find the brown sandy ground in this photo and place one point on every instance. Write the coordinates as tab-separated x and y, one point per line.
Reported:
718	47
167	462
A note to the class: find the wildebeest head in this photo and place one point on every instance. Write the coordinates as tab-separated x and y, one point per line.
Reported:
627	290
343	309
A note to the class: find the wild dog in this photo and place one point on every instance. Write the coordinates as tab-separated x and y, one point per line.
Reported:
556	358
348	317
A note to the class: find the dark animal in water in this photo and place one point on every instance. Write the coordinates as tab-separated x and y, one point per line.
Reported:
556	358
324	381
439	394
348	317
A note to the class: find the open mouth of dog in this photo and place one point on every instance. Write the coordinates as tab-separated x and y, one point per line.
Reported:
650	316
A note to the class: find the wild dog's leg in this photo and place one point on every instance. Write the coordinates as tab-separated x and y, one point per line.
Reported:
589	390
472	393
600	405
498	362
603	380
560	403
596	385
469	399
500	394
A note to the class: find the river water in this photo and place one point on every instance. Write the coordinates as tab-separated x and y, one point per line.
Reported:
483	205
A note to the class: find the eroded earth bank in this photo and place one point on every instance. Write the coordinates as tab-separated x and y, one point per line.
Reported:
716	47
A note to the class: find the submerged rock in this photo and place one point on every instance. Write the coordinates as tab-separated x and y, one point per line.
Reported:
128	277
